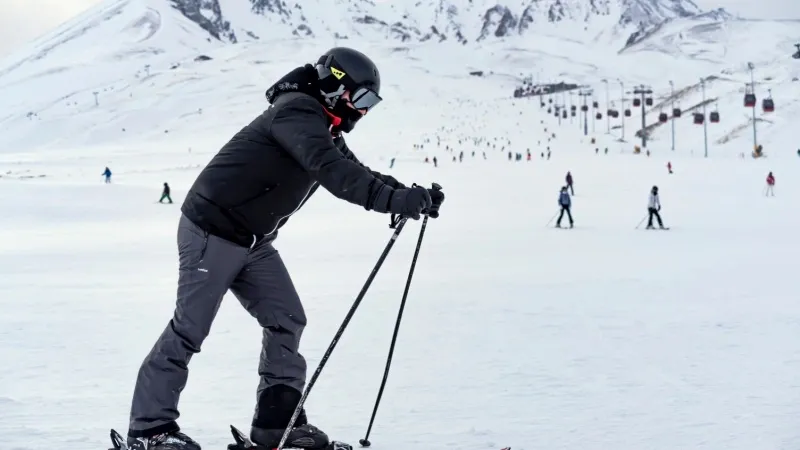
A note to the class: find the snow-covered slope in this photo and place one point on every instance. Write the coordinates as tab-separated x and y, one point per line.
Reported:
602	337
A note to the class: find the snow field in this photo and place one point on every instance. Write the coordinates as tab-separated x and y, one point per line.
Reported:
515	334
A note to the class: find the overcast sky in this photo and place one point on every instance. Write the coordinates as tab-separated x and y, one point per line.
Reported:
24	20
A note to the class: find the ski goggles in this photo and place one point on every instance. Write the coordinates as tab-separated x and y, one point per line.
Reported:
364	98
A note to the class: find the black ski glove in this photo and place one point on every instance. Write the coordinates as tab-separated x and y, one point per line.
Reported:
410	202
437	198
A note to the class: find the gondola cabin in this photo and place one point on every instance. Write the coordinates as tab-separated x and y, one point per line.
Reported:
676	112
564	115
663	117
768	105
749	100
714	117
648	101
598	116
637	103
595	105
627	113
699	118
584	108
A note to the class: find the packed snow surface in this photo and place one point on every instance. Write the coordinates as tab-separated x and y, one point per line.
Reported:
516	334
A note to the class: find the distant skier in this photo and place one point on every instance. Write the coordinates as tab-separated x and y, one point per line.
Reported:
566	205
669	167
770	190
165	194
653	208
107	173
569	183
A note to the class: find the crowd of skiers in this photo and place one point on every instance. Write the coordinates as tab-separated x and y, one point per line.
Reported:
653	202
564	199
565	205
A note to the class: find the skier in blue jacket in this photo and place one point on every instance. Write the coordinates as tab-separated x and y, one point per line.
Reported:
566	203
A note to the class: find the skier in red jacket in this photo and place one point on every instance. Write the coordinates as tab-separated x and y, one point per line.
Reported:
769	191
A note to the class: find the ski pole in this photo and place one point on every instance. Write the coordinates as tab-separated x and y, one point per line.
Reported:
551	219
641	221
365	442
397	224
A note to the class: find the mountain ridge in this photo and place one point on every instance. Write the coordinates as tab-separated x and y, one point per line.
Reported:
423	20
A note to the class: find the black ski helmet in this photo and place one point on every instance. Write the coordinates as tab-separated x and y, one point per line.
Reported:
343	69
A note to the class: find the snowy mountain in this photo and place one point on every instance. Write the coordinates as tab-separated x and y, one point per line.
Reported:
146	70
420	20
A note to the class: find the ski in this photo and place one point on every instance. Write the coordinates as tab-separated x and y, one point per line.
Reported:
242	442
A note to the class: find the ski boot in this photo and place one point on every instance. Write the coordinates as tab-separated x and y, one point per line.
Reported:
174	440
304	437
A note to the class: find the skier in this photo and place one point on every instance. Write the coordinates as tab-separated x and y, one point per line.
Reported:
653	208
566	204
165	194
231	216
107	174
569	183
770	190
669	167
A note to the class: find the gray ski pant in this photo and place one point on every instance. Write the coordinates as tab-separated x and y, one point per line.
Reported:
209	267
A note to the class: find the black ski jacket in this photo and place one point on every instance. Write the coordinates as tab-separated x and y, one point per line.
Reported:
270	168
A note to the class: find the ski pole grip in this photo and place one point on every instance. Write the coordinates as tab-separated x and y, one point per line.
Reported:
434	213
